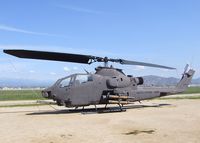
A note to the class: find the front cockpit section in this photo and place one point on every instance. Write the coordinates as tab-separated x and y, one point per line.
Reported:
64	83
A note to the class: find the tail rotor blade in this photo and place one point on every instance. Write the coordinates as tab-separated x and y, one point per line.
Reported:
186	68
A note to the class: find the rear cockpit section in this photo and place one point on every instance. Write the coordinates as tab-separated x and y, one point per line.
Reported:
75	79
82	78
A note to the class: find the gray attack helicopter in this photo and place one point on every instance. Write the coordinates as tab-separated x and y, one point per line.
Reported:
108	85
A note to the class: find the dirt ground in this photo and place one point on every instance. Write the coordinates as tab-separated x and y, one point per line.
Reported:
154	121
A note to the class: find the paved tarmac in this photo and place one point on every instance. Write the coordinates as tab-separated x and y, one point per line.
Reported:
154	121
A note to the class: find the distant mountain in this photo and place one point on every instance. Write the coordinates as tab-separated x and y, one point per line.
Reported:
162	81
6	82
157	80
196	81
148	80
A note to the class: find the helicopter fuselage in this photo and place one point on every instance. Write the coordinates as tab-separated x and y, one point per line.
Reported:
106	86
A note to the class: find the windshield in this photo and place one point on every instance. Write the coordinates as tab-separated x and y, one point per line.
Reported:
65	82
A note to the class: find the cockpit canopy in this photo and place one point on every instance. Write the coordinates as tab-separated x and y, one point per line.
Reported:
75	79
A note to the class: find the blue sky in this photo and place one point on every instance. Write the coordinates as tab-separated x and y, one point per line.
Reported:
164	32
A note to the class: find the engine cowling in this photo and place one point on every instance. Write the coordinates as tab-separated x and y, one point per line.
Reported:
118	82
139	80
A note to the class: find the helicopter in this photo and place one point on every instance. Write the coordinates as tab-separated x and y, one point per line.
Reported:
108	85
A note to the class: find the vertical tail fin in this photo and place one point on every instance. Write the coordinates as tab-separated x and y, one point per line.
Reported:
185	81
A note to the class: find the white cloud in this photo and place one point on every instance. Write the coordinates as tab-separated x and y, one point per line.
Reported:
3	59
165	70
12	66
75	68
140	68
67	69
32	71
19	30
78	9
52	73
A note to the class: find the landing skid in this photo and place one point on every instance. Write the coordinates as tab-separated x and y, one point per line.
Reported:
103	110
98	110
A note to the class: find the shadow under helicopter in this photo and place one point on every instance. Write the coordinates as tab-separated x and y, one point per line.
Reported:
97	111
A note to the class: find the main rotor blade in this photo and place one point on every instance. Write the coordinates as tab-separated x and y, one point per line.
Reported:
53	56
126	62
76	58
